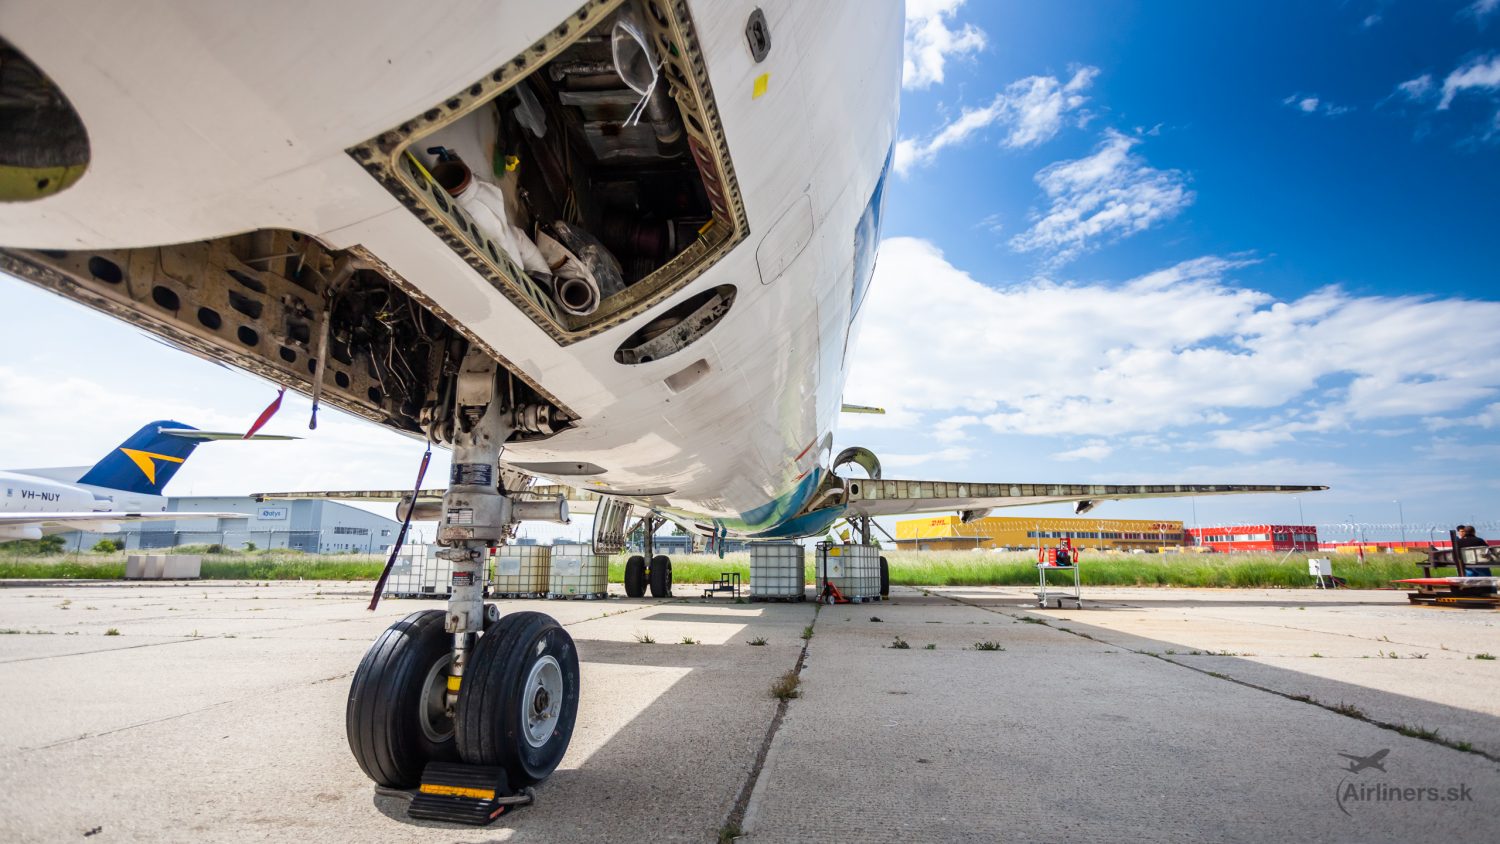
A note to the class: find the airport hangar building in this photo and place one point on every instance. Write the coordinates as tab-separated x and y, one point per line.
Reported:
312	526
949	533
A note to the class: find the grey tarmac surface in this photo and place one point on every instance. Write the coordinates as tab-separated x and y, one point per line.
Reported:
217	713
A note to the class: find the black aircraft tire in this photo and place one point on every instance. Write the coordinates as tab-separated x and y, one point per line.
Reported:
661	576
635	576
885	578
519	698
394	716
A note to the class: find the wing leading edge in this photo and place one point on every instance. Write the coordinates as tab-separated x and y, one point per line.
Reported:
895	498
580	501
93	518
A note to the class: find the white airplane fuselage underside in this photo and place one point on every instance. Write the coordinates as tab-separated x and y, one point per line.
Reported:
207	119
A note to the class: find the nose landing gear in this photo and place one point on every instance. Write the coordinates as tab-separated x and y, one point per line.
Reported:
446	699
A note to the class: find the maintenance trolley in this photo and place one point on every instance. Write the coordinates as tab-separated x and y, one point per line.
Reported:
1062	558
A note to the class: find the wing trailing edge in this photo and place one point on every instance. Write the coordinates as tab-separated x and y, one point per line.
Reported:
898	497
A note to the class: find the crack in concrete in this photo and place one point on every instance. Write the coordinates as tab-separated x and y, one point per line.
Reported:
626	611
177	640
212	706
736	817
1337	709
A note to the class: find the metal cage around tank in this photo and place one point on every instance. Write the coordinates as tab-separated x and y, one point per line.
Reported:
853	569
778	571
521	571
577	572
418	573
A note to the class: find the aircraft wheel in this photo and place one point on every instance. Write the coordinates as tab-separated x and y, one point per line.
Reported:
519	698
661	576
635	576
396	717
885	578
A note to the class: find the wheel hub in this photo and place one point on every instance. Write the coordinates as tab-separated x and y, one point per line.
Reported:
543	699
437	721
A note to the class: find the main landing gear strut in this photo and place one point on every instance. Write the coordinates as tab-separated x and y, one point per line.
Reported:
468	685
657	573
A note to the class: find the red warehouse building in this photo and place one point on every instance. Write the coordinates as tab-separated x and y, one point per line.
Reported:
1255	538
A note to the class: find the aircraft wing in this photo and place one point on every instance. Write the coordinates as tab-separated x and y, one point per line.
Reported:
895	498
369	495
206	436
580	502
95	518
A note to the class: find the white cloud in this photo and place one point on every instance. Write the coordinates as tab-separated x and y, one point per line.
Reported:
1313	104
1091	450
1030	111
931	40
1373	19
1108	195
1481	9
1487	417
1481	74
1249	442
993	223
952	429
1416	89
952	454
1182	348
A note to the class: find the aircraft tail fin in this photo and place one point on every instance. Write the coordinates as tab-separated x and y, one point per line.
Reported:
146	461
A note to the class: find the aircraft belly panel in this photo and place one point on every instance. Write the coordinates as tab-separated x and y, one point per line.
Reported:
256	137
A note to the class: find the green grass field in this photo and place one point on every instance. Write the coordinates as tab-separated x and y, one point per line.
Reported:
907	568
238	565
911	568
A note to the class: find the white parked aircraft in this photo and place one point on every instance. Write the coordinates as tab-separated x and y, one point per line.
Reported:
622	242
125	486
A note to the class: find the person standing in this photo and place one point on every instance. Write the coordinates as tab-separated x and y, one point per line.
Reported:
1467	538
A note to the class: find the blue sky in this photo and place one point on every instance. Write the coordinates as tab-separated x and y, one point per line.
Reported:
1372	191
1128	242
1207	242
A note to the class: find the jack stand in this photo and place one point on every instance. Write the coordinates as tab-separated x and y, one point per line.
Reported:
468	794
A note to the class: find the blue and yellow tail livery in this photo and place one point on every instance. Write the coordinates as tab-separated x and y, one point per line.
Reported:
146	461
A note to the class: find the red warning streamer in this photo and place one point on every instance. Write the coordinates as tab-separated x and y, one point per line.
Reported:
265	415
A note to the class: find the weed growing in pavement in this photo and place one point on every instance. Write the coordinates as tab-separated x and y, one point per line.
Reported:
786	686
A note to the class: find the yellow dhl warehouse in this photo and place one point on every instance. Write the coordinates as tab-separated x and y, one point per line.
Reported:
947	533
